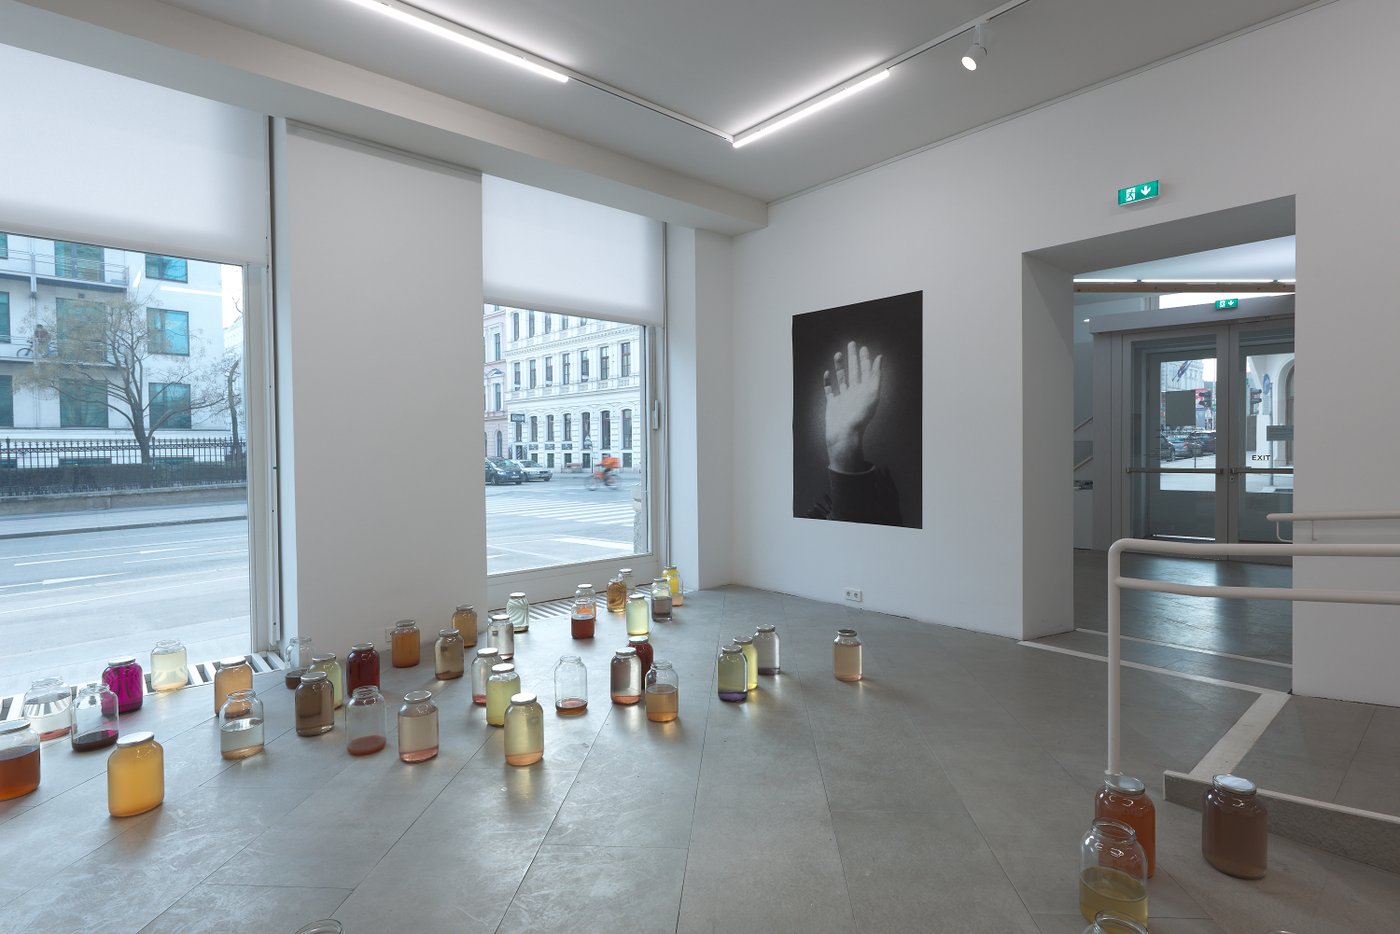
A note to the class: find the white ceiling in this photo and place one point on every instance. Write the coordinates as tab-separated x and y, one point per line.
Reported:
734	63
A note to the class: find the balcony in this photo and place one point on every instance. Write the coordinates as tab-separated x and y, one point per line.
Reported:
62	270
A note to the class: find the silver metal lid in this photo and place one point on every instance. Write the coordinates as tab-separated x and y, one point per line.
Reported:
230	662
417	697
638	639
845	632
404	624
313	677
1124	784
744	640
466	608
1235	784
520	594
732	649
121	662
522	698
362	647
13	726
502	668
449	634
628	652
767	627
487	652
323	657
135	739
636	596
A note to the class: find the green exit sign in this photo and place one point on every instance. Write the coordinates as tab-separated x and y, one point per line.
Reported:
1224	304
1143	192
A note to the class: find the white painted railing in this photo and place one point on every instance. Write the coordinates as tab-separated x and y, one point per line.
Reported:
1279	517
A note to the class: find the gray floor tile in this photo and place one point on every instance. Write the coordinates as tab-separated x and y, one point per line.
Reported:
582	890
733	887
208	909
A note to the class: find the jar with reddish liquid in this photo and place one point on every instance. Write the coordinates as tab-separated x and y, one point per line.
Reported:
96	723
585	613
644	651
19	759
1124	798
126	680
366	721
1235	828
361	667
625	684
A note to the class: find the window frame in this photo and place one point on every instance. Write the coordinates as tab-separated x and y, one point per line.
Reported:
155	422
162	266
5	335
7	401
74	411
154	312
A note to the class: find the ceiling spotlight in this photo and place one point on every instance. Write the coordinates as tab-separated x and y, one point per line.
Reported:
974	55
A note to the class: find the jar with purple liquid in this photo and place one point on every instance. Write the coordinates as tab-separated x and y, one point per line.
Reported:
126	679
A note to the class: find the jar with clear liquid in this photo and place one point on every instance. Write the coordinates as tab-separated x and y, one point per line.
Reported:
366	721
524	739
361	667
406	644
570	686
449	655
1112	872
231	674
663	692
19	759
1106	923
1124	798
617	595
584	615
626	575
314	704
297	654
625	684
464	621
644	651
96	721
486	659
638	615
328	663
169	665
732	675
48	706
1235	828
500	635
673	580
846	661
503	684
518	612
418	727
765	641
241	726
135	775
660	600
750	659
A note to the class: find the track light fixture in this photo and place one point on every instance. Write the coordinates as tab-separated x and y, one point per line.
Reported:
974	55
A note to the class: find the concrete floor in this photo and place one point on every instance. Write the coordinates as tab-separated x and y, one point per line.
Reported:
946	793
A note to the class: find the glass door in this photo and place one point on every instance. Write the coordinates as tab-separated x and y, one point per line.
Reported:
1261	465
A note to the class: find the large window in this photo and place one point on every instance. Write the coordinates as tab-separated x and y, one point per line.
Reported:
515	375
549	428
4	317
82	403
170	406
602	363
534	428
568	427
82	330
548	369
532	374
7	402
171	268
627	429
168	331
77	261
626	359
606	419
583	366
4	246
564	365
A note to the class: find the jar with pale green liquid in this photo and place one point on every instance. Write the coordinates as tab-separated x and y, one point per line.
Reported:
503	684
750	660
638	615
1113	873
169	665
732	674
328	663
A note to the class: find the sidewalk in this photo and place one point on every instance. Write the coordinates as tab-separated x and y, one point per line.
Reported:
102	520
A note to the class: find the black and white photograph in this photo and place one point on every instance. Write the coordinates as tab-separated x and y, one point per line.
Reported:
857	412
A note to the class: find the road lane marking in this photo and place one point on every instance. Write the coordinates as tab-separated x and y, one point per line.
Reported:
115	554
50	581
112	596
202	554
78	551
172	576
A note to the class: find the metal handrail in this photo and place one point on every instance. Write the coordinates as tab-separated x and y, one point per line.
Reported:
1280	517
1117	583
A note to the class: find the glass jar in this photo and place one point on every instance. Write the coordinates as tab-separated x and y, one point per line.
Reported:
48	706
673	580
1124	798
135	775
500	635
366	721
314	704
1235	828
750	660
328	926
626	575
96	723
638	615
765	641
583	617
486	659
660	600
663	695
503	684
405	644
449	655
518	612
297	654
625	683
241	725
231	674
1106	923
464	621
617	595
126	679
1112	872
169	665
418	727
19	759
570	686
328	663
846	662
524	739
361	667
732	676
644	651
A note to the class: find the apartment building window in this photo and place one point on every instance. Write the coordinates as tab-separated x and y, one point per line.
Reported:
82	330
77	261
496	397
586	419
4	317
564	364
515	325
568	427
519	431
495	345
168	331
171	268
548	370
602	363
548	319
583	366
534	428
82	403
530	323
4	246
549	428
170	405
7	402
627	429
533	381
500	444
515	382
606	419
626	359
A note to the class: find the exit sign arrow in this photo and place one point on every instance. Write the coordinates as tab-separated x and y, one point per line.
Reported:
1144	191
1223	304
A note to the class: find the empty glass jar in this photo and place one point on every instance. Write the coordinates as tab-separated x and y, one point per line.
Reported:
361	667
486	659
366	721
48	706
638	615
673	580
1112	872
570	686
314	704
846	661
503	684
449	655
19	759
500	635
464	621
231	674
660	600
135	775
732	676
297	654
518	612
765	641
1124	798
241	726
1106	923
418	727
625	683
524	739
585	612
96	723
327	662
663	697
406	644
644	651
169	665
1235	828
750	659
617	595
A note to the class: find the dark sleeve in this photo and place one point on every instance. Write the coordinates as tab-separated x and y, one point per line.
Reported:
869	496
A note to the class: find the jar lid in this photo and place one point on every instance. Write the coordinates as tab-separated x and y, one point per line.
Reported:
845	632
767	627
449	634
522	698
1124	784
313	677
637	596
14	726
404	624
499	616
638	640
502	668
324	657
231	662
417	697
121	662
732	649
487	652
520	594
625	571
1235	784
628	652
660	580
744	640
362	647
669	567
465	608
585	586
135	739
169	643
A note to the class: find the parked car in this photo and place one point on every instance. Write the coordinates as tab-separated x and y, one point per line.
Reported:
1165	450
533	470
1181	447
500	470
1204	442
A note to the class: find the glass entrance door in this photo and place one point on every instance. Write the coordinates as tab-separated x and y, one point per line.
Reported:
1261	467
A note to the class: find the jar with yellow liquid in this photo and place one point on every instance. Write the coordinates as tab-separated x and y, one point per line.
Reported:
231	674
1112	873
617	595
638	615
327	662
524	724
503	684
464	621
750	660
673	581
135	775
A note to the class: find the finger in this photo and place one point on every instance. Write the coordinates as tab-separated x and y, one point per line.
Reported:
865	369
826	383
875	368
841	382
853	361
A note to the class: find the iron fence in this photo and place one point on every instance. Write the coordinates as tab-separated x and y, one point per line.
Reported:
83	465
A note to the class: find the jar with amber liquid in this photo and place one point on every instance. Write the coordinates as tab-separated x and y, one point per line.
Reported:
663	692
327	662
638	615
486	659
19	759
361	667
1112	872
524	739
518	612
644	651
366	721
135	775
731	677
231	674
765	642
500	635
673	580
169	665
745	643
449	655
617	595
96	722
625	683
314	704
503	684
464	621
585	612
660	600
1235	828
297	654
406	644
1124	798
241	725
846	661
418	727
570	686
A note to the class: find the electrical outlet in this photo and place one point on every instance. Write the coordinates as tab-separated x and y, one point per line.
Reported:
853	595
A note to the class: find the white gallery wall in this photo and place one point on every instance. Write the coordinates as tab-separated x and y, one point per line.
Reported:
1267	115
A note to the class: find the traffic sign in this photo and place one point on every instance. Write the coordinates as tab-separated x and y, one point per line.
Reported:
1144	191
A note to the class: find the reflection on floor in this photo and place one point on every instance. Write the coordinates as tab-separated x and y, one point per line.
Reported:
947	792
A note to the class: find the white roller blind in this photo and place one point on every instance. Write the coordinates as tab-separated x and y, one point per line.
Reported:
92	156
551	252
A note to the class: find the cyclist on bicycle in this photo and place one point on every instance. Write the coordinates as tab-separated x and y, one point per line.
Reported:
609	465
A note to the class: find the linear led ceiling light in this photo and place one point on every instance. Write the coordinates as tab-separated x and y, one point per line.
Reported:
974	55
818	103
454	32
